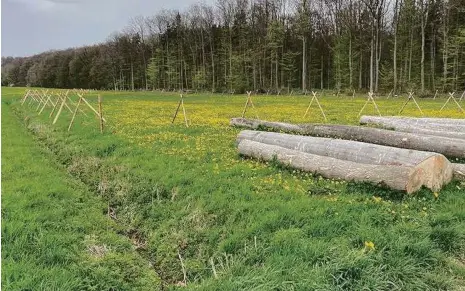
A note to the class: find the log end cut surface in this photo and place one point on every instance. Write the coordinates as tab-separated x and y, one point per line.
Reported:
434	173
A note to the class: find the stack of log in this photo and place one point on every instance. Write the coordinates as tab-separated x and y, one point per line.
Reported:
398	159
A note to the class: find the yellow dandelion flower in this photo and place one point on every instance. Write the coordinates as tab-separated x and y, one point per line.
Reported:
377	199
369	245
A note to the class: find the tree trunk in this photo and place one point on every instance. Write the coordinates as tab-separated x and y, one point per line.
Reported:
450	147
304	63
372	48
350	62
422	62
433	172
438	123
438	129
394	57
322	74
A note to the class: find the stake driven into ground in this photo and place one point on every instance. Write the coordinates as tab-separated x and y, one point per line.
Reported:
206	218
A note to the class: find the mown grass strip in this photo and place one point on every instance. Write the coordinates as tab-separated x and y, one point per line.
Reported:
55	235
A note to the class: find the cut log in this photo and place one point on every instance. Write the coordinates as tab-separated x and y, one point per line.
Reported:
447	146
405	178
459	171
414	123
429	123
428	129
446	130
450	121
436	168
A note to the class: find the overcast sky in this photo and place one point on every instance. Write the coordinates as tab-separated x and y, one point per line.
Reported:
34	26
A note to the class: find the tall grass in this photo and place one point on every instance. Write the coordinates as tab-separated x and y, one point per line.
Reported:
184	192
55	234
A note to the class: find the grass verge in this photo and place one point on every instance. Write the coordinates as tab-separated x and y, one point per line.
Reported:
55	234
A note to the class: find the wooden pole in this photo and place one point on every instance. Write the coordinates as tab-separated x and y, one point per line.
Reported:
390	93
418	106
100	112
25	97
177	110
309	105
73	104
55	106
411	97
46	102
253	106
370	98
90	106
405	104
74	114
435	94
319	105
246	104
59	111
184	112
451	95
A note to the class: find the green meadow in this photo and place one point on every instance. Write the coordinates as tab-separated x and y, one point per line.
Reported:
153	205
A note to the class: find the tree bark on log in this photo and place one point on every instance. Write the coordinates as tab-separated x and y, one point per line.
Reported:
447	146
422	120
433	124
437	129
354	151
459	171
405	178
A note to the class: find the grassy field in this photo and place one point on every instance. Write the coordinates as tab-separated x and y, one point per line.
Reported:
55	235
206	218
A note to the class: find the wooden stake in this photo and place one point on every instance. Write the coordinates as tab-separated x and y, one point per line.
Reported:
177	109
59	111
461	97
370	98
46	102
100	112
74	114
390	93
25	97
249	101
435	94
55	106
410	97
90	106
181	104
451	96
317	102
74	104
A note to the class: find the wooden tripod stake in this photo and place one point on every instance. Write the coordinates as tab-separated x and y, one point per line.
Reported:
25	97
98	113
451	96
370	98
181	104
461	97
314	98
410	97
249	101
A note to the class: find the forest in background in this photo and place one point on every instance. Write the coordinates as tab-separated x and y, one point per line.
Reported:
268	46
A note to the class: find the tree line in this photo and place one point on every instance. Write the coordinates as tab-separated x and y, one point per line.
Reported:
268	45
